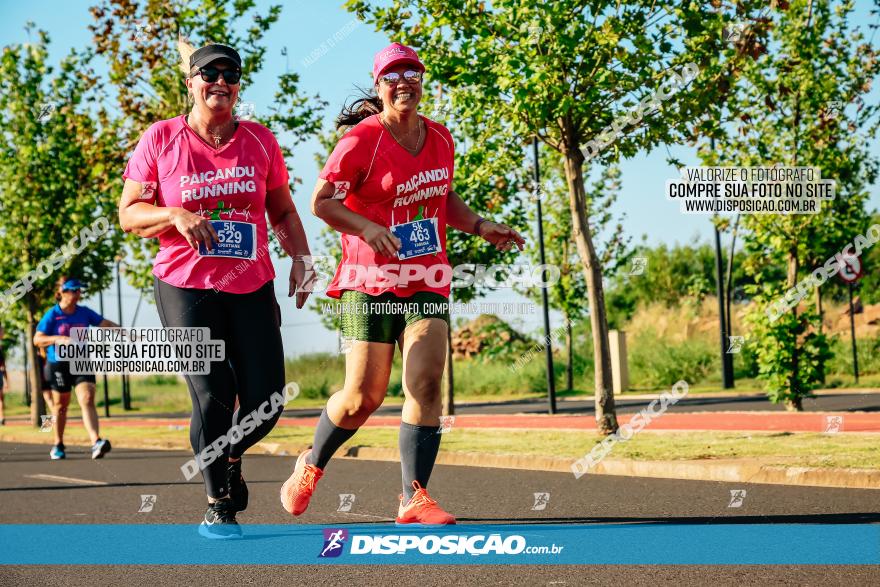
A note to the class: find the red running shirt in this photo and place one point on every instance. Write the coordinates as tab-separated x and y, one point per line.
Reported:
383	182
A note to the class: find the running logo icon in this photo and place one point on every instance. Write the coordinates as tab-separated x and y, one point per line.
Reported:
148	190
319	270
46	423
246	110
446	423
735	32
638	266
535	34
832	110
541	501
833	424
346	501
342	188
333	542
736	344
737	497
46	111
147	503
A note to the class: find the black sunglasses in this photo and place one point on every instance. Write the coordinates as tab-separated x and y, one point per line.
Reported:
210	75
393	77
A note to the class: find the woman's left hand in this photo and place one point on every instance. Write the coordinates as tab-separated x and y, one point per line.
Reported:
302	278
501	235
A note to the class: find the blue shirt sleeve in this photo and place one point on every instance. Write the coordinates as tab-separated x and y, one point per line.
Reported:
94	318
45	324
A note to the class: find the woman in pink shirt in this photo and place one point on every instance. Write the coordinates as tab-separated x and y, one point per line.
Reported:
387	188
204	184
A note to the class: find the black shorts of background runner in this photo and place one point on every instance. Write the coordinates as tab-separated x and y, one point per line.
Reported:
249	324
60	379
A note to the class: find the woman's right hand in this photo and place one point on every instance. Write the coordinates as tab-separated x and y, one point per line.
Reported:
381	239
194	228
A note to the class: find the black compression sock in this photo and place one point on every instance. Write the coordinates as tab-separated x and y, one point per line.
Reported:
328	438
419	446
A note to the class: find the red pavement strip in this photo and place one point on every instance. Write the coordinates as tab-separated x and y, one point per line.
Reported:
733	421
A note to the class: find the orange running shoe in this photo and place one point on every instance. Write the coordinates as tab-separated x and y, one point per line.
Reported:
297	490
421	510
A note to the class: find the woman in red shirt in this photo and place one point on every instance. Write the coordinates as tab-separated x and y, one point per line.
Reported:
387	188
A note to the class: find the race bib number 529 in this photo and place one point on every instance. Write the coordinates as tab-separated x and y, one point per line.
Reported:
236	240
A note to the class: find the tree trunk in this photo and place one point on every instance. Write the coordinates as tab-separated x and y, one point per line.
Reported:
821	311
569	368
38	406
606	418
794	401
728	291
449	388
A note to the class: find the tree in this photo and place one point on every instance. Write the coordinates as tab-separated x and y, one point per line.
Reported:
139	40
569	294
801	104
559	70
58	205
488	177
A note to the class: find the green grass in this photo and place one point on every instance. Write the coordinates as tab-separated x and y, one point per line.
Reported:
148	399
655	363
784	449
842	363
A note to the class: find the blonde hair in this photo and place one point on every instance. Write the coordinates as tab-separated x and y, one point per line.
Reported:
186	49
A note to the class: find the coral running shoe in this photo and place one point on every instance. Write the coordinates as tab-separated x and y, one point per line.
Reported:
422	510
297	490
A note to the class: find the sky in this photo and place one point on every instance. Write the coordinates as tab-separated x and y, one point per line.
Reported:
303	26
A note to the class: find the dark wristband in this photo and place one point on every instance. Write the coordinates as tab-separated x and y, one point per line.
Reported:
477	226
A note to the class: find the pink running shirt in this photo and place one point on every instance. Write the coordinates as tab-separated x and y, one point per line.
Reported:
229	183
380	180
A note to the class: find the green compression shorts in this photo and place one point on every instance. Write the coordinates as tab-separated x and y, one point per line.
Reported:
383	318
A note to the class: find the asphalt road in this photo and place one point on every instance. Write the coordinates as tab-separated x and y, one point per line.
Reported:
31	492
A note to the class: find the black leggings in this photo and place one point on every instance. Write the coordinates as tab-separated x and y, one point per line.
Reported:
254	370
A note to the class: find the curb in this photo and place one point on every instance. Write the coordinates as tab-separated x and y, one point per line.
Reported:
730	471
739	471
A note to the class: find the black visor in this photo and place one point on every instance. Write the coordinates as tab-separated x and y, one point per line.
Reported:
207	54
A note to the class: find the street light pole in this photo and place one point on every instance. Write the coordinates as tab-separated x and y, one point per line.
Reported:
726	358
27	378
104	376
852	330
548	342
126	401
726	363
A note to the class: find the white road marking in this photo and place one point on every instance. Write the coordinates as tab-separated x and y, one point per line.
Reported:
71	480
366	516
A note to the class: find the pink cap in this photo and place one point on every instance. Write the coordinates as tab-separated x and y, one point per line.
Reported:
392	55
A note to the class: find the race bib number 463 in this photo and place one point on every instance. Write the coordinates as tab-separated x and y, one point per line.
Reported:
417	238
238	240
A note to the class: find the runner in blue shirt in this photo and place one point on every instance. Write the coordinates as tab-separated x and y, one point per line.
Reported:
54	328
